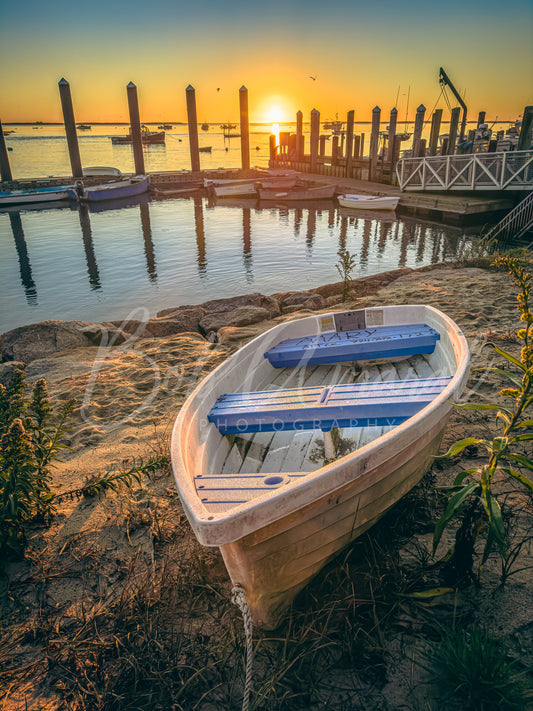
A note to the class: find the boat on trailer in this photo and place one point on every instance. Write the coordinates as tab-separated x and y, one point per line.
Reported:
368	202
304	438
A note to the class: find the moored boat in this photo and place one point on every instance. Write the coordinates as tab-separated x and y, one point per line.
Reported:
94	171
33	195
147	137
368	202
252	447
110	191
320	192
249	188
204	149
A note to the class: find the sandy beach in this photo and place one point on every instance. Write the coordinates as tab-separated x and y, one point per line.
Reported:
128	395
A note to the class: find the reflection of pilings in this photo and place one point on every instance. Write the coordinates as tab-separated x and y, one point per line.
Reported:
383	234
367	227
298	213
148	242
408	237
200	235
331	217
421	244
247	242
24	260
435	257
342	234
311	229
87	235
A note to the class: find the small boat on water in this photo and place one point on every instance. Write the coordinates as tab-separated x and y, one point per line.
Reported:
204	149
368	202
248	188
321	192
165	127
253	451
95	171
34	195
110	191
147	137
205	127
84	126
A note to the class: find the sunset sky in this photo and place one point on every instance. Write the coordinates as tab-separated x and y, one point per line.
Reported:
362	55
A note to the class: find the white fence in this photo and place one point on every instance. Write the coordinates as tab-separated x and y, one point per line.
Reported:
509	170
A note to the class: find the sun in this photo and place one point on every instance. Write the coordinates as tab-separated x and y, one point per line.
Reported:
275	114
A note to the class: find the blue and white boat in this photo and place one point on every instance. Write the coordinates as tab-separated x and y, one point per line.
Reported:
110	191
34	195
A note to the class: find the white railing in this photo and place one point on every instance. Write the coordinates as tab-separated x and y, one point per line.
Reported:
509	170
515	223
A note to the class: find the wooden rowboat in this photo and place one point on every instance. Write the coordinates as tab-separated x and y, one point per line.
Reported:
110	191
368	202
320	192
253	449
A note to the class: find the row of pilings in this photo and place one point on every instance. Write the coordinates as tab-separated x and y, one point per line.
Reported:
135	131
346	158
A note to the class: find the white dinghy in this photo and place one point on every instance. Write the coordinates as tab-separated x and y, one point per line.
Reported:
368	202
301	440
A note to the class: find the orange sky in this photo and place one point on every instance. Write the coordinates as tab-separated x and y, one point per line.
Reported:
360	57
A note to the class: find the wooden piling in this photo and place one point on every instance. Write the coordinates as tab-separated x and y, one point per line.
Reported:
480	118
135	129
315	131
322	146
273	147
299	135
356	146
452	138
190	95
374	142
70	128
435	130
392	136
524	139
334	150
245	130
5	168
417	132
349	143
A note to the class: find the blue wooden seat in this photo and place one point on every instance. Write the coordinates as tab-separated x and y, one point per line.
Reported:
356	405
364	344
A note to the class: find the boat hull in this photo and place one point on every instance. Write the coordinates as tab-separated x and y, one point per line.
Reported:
322	192
368	202
114	191
274	563
25	197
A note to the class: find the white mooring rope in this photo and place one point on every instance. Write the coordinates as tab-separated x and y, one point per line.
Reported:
238	597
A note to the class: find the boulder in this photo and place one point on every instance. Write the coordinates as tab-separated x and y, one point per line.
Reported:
301	299
258	300
175	321
240	316
7	370
27	343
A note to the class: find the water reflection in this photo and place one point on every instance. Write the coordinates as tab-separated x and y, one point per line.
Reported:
200	236
26	276
251	248
87	236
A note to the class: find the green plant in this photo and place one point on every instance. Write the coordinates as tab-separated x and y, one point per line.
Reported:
345	266
475	670
30	438
472	494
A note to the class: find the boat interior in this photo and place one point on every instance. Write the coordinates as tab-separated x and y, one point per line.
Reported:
243	466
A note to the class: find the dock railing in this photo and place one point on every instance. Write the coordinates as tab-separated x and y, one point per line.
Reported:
509	170
516	223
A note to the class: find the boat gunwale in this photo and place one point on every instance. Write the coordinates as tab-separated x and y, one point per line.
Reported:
216	529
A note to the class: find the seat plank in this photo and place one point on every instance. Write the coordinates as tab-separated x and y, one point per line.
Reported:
363	344
350	405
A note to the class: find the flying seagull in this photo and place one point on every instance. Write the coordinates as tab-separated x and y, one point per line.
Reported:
313	78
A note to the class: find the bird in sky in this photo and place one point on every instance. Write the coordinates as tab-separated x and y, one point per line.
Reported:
313	78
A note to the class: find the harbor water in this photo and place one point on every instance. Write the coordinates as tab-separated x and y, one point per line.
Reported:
107	262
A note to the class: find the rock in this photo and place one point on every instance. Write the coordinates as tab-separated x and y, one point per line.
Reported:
333	300
230	334
302	299
38	340
175	321
240	316
259	300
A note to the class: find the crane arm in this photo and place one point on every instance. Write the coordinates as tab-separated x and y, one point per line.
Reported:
445	79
